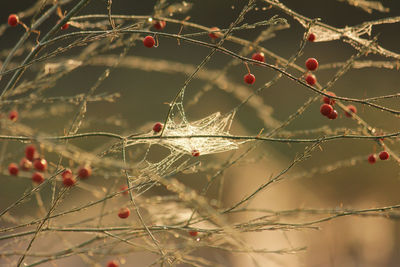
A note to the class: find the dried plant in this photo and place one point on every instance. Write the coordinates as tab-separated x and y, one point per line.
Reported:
76	218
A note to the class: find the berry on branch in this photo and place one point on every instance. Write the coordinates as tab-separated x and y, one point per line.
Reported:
25	164
13	169
329	100
326	109
311	64
40	165
159	24
258	56
13	20
84	172
372	158
352	109
30	152
38	178
310	79
157	127
384	155
13	115
311	37
149	41
124	213
214	35
249	78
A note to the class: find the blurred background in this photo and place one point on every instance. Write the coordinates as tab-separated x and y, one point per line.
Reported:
344	179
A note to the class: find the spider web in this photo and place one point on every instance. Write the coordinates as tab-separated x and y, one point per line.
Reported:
178	139
324	34
352	35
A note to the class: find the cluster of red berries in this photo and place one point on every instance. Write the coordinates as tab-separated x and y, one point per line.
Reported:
383	155
124	212
149	41
31	159
69	179
326	109
311	65
250	78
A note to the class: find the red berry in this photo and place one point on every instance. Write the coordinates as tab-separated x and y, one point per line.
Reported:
372	159
193	233
311	64
249	78
25	164
84	172
195	153
326	109
258	56
159	24
68	178
311	37
13	20
13	169
157	127
13	115
40	164
69	181
66	174
124	190
352	109
149	41
124	213
65	26
112	264
333	115
213	34
310	79
329	100
384	155
38	177
30	152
